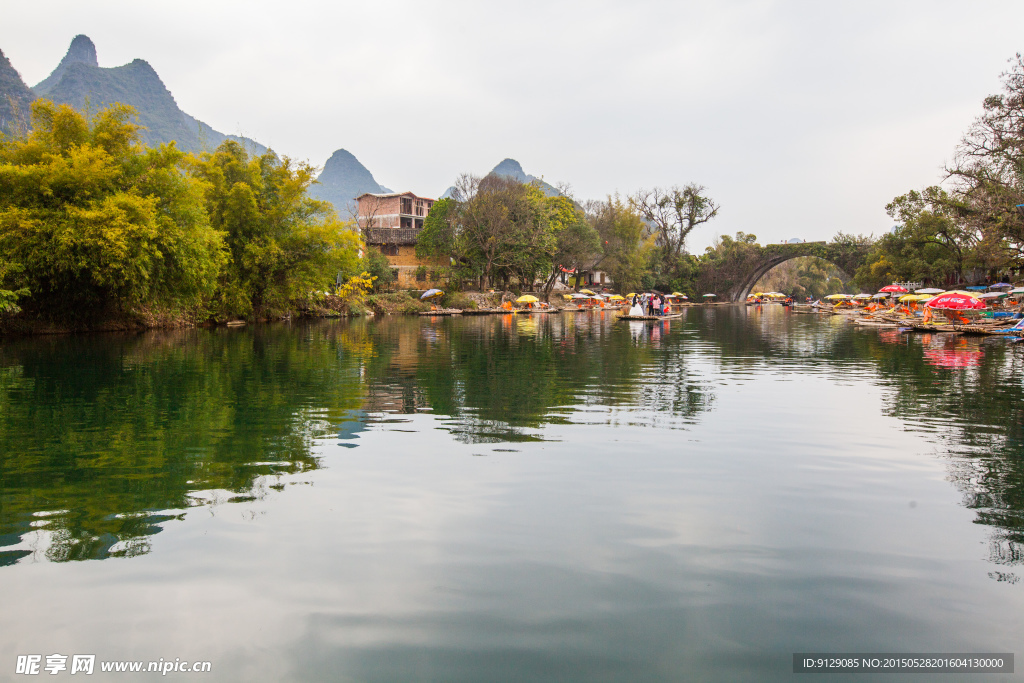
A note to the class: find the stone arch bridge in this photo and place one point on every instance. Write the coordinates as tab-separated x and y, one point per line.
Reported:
733	277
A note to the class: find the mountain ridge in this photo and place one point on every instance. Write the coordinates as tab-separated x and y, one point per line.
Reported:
80	82
15	97
81	51
510	168
342	179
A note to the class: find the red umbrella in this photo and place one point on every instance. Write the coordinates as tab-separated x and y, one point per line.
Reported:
956	301
894	289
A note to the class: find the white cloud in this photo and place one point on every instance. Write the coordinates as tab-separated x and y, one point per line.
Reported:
801	118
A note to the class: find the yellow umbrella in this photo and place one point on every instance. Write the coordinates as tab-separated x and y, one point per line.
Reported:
631	295
678	294
917	297
838	296
617	297
567	297
587	291
527	299
757	294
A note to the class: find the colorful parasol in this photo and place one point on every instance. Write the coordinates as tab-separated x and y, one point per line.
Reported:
956	301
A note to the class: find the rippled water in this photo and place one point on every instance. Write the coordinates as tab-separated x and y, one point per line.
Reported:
560	497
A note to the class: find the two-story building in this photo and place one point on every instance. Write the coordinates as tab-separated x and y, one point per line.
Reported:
390	224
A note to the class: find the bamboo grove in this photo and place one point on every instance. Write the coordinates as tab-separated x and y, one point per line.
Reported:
96	226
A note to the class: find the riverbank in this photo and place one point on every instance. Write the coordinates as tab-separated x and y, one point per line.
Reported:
403	302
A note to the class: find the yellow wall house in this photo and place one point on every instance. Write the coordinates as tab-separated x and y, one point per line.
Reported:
390	223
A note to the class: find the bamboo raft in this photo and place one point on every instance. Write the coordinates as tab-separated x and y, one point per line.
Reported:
443	311
650	317
485	311
965	329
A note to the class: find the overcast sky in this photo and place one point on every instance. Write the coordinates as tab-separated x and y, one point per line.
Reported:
801	118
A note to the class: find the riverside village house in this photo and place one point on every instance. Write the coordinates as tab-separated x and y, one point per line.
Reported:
390	224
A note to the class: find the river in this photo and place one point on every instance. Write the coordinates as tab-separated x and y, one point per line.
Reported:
501	498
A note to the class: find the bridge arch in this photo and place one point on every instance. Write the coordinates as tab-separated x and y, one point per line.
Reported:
736	279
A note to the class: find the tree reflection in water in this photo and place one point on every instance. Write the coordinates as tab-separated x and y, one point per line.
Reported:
105	438
965	394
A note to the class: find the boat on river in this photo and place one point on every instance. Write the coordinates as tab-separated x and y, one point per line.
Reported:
443	311
650	317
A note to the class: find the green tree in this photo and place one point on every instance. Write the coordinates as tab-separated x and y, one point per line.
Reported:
988	173
92	223
283	244
931	244
576	241
802	277
626	251
443	239
9	297
494	228
379	268
726	262
672	214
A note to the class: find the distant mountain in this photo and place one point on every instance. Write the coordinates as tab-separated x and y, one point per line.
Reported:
81	51
15	97
510	168
342	180
80	82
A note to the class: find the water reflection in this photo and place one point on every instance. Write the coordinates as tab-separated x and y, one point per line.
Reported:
965	394
105	439
101	434
504	378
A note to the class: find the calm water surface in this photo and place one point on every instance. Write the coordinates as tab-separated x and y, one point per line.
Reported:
550	498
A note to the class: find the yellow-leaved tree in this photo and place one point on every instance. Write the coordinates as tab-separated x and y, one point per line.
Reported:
93	224
283	244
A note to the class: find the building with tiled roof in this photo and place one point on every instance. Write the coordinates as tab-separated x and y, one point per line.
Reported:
391	223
